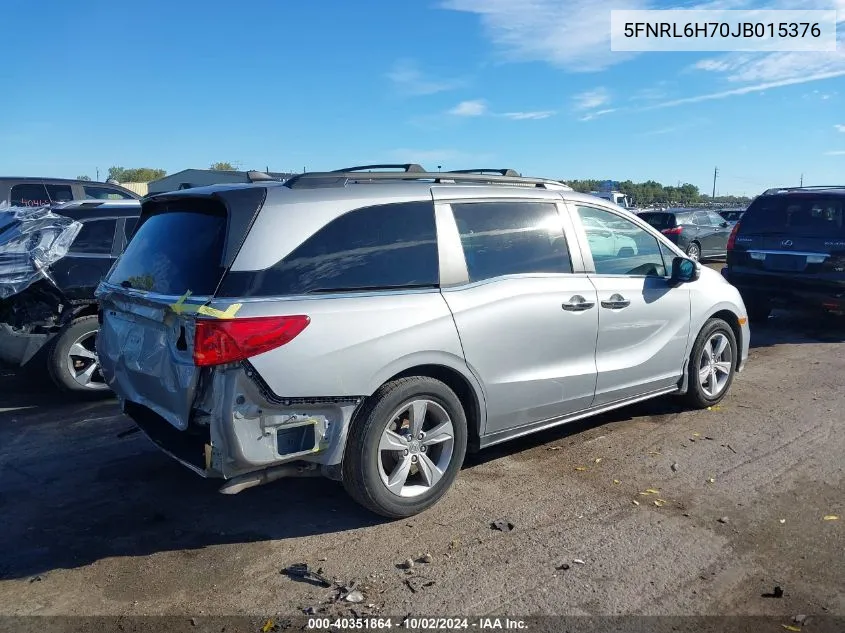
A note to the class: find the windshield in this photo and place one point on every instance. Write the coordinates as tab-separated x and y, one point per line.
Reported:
801	215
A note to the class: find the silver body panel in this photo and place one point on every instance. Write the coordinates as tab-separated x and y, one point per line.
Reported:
529	362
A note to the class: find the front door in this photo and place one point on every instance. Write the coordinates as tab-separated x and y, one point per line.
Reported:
527	322
644	320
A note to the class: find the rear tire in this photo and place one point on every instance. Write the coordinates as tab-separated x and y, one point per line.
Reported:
709	382
72	359
694	251
393	471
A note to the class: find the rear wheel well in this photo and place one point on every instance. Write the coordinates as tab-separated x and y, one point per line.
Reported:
462	388
733	320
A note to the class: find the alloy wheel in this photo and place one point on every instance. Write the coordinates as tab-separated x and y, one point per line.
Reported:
715	365
83	364
416	448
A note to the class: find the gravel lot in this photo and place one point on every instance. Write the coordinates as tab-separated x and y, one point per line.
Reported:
96	522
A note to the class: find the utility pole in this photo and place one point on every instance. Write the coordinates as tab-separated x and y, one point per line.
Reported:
802	180
715	173
98	174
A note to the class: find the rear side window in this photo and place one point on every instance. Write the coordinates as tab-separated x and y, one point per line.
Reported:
95	238
801	215
175	251
29	195
390	246
511	238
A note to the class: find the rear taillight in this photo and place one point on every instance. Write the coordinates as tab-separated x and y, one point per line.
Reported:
220	341
732	237
673	231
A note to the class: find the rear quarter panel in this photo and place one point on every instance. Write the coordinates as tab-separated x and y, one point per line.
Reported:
355	343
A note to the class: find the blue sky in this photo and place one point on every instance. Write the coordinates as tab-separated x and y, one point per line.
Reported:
528	84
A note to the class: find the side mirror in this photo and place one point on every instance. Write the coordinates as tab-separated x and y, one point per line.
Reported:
684	270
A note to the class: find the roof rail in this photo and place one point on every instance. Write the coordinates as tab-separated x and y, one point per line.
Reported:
501	172
406	167
342	178
807	188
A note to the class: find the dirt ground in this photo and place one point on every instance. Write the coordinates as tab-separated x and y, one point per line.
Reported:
98	522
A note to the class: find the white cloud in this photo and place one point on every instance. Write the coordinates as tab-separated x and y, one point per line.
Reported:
836	152
571	34
529	116
597	113
591	99
476	107
409	80
748	89
839	128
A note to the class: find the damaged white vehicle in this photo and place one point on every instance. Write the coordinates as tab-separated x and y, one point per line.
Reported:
373	327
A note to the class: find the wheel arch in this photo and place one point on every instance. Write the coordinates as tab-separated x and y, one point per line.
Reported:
464	387
728	316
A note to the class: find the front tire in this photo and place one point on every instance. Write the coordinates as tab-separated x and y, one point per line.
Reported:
405	447
712	364
72	359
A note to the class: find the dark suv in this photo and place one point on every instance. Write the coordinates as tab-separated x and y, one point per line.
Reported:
789	250
42	192
700	234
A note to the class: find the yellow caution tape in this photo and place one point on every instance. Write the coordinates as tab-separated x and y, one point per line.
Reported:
180	307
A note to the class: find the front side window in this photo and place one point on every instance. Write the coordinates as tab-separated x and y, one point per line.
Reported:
620	247
511	238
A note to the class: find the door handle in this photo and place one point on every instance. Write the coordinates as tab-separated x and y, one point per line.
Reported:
577	304
616	302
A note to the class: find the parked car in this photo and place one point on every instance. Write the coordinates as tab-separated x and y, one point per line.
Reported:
700	234
731	217
43	192
788	250
604	241
52	323
375	333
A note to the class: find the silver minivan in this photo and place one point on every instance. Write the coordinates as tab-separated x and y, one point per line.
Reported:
373	325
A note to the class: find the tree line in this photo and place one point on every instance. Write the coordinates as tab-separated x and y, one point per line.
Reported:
148	174
652	192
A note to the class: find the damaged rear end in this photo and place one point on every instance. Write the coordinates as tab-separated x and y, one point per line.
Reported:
178	357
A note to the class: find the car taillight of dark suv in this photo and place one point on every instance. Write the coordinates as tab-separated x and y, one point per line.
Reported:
788	250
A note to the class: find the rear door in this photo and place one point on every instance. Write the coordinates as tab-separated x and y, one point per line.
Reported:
797	235
525	311
180	250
